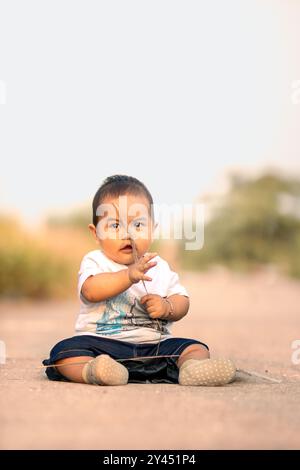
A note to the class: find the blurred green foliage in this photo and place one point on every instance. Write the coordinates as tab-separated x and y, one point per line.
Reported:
27	268
31	272
257	222
79	219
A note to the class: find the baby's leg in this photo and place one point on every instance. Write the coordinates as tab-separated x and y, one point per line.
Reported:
102	370
194	351
195	368
72	372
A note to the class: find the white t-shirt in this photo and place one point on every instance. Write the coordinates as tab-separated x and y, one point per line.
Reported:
123	317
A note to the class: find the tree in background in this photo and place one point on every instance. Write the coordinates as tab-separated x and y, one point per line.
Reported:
257	222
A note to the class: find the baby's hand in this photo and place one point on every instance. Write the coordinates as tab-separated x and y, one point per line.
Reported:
136	271
156	306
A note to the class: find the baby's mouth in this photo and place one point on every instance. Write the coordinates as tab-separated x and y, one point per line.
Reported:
127	248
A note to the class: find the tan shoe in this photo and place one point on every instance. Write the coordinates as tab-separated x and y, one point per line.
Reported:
209	372
103	370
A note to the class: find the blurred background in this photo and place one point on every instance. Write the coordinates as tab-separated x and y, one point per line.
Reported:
254	225
201	101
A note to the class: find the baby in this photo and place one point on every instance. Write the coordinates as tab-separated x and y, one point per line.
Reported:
129	299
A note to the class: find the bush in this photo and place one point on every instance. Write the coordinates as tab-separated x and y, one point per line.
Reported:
28	268
249	228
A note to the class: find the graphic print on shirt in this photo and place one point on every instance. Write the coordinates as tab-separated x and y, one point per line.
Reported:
125	312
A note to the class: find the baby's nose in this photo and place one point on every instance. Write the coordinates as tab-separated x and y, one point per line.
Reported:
125	234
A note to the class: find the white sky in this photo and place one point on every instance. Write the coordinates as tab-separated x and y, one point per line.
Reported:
172	92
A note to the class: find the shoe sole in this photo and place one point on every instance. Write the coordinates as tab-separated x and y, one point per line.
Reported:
207	372
106	371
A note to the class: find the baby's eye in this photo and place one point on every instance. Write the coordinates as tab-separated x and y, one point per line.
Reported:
139	224
114	225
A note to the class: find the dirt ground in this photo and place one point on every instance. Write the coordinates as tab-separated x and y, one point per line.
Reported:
252	319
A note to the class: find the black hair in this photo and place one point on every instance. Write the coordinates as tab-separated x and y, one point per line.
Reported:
118	185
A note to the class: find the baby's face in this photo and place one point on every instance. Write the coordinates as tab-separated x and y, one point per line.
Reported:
121	218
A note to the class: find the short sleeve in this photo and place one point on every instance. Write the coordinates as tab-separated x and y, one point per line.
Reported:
89	267
174	286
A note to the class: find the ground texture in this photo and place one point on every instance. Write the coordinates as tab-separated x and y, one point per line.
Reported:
252	319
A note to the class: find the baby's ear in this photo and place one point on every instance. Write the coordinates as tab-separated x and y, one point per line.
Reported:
93	231
92	228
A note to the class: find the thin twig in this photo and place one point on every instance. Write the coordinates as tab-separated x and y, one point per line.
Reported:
138	358
136	259
260	376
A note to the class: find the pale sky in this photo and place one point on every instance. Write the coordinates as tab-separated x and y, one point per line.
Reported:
172	92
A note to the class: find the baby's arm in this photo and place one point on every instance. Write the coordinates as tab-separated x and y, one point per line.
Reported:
159	307
102	286
181	305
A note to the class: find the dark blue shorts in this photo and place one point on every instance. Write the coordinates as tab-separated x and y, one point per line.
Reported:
161	370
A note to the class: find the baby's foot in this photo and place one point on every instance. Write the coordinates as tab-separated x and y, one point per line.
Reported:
103	370
210	372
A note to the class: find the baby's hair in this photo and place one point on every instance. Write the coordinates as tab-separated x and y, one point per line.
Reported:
119	185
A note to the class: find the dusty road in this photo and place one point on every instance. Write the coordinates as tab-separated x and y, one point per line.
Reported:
252	319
